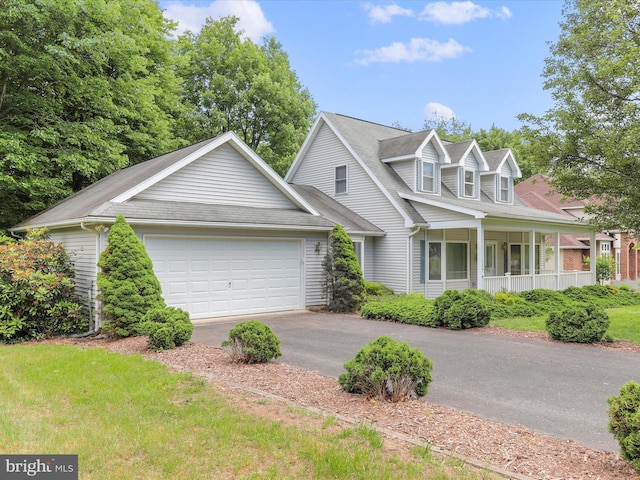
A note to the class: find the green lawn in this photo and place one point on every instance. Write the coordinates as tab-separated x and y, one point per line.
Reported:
130	418
625	323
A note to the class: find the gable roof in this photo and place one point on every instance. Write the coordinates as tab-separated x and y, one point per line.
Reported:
539	186
115	194
496	158
458	152
410	146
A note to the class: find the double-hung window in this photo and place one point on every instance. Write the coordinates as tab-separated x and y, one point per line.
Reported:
469	183
428	177
457	261
504	189
341	179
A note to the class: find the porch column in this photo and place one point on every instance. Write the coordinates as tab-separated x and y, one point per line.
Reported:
593	253
556	255
480	260
532	257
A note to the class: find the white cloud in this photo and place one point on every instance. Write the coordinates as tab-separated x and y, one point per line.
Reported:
251	17
385	14
417	50
438	111
457	13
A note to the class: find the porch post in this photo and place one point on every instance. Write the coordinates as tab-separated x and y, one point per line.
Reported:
556	255
593	253
532	257
480	260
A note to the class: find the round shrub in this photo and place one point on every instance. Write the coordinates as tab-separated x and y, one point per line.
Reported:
167	327
578	324
388	370
461	310
375	289
624	422
252	342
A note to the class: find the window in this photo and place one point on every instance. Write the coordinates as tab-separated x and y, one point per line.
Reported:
341	179
490	259
469	183
357	248
605	249
504	189
435	261
428	177
457	263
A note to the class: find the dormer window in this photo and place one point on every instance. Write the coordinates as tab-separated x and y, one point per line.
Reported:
428	177
341	179
504	189
469	183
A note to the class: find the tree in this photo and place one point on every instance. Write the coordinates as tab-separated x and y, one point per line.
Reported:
86	87
128	286
234	84
591	133
344	283
450	129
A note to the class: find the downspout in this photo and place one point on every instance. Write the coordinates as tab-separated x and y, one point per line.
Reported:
410	257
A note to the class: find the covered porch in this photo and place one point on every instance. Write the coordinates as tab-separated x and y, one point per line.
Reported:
494	255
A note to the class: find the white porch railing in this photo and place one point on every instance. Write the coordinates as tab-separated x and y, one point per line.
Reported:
550	281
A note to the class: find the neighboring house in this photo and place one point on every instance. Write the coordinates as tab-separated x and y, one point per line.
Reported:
227	236
620	244
449	212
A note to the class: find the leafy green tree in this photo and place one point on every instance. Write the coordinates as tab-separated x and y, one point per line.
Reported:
231	83
344	283
128	286
86	87
451	129
591	133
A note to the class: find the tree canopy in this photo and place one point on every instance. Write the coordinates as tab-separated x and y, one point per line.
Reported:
231	83
591	133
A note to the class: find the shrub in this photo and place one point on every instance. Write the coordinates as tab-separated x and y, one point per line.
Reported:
344	285
37	298
624	422
388	370
578	324
374	289
128	286
461	310
252	342
167	327
624	287
413	309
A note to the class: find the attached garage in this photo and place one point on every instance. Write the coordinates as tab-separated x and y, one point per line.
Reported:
219	276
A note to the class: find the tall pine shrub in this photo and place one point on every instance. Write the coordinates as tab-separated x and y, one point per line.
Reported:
128	286
344	284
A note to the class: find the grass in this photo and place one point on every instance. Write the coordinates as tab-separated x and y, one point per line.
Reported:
625	323
130	418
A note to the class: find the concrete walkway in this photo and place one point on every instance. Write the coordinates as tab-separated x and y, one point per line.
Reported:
552	388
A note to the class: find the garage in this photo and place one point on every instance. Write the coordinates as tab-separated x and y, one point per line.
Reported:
213	277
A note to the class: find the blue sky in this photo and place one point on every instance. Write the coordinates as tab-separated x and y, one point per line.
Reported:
401	62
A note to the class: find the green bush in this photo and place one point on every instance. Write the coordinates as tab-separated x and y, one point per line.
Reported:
344	284
389	370
413	309
624	422
128	286
37	298
579	324
167	327
252	342
374	289
604	296
461	310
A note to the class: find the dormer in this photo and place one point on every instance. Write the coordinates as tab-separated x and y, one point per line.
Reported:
462	176
497	183
417	158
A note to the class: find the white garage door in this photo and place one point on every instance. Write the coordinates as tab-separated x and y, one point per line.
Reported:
217	277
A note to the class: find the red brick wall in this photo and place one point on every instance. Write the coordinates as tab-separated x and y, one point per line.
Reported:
572	259
629	258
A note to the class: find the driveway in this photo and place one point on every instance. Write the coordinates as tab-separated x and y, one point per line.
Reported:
555	389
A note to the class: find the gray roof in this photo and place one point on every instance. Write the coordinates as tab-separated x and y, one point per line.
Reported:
336	212
456	150
494	157
402	145
365	137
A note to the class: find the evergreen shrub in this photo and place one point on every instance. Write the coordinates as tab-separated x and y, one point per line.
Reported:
375	289
167	327
413	309
344	284
128	286
624	422
388	370
581	323
461	310
37	297
252	342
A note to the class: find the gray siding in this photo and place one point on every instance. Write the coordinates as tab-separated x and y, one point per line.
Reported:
407	170
488	184
435	214
222	176
313	276
450	179
363	197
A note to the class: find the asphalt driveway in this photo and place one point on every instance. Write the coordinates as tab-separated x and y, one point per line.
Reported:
555	389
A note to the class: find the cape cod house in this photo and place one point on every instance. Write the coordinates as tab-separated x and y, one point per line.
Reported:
228	236
449	211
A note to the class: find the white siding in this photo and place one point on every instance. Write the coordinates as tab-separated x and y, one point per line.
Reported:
430	153
314	276
408	172
364	198
222	176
